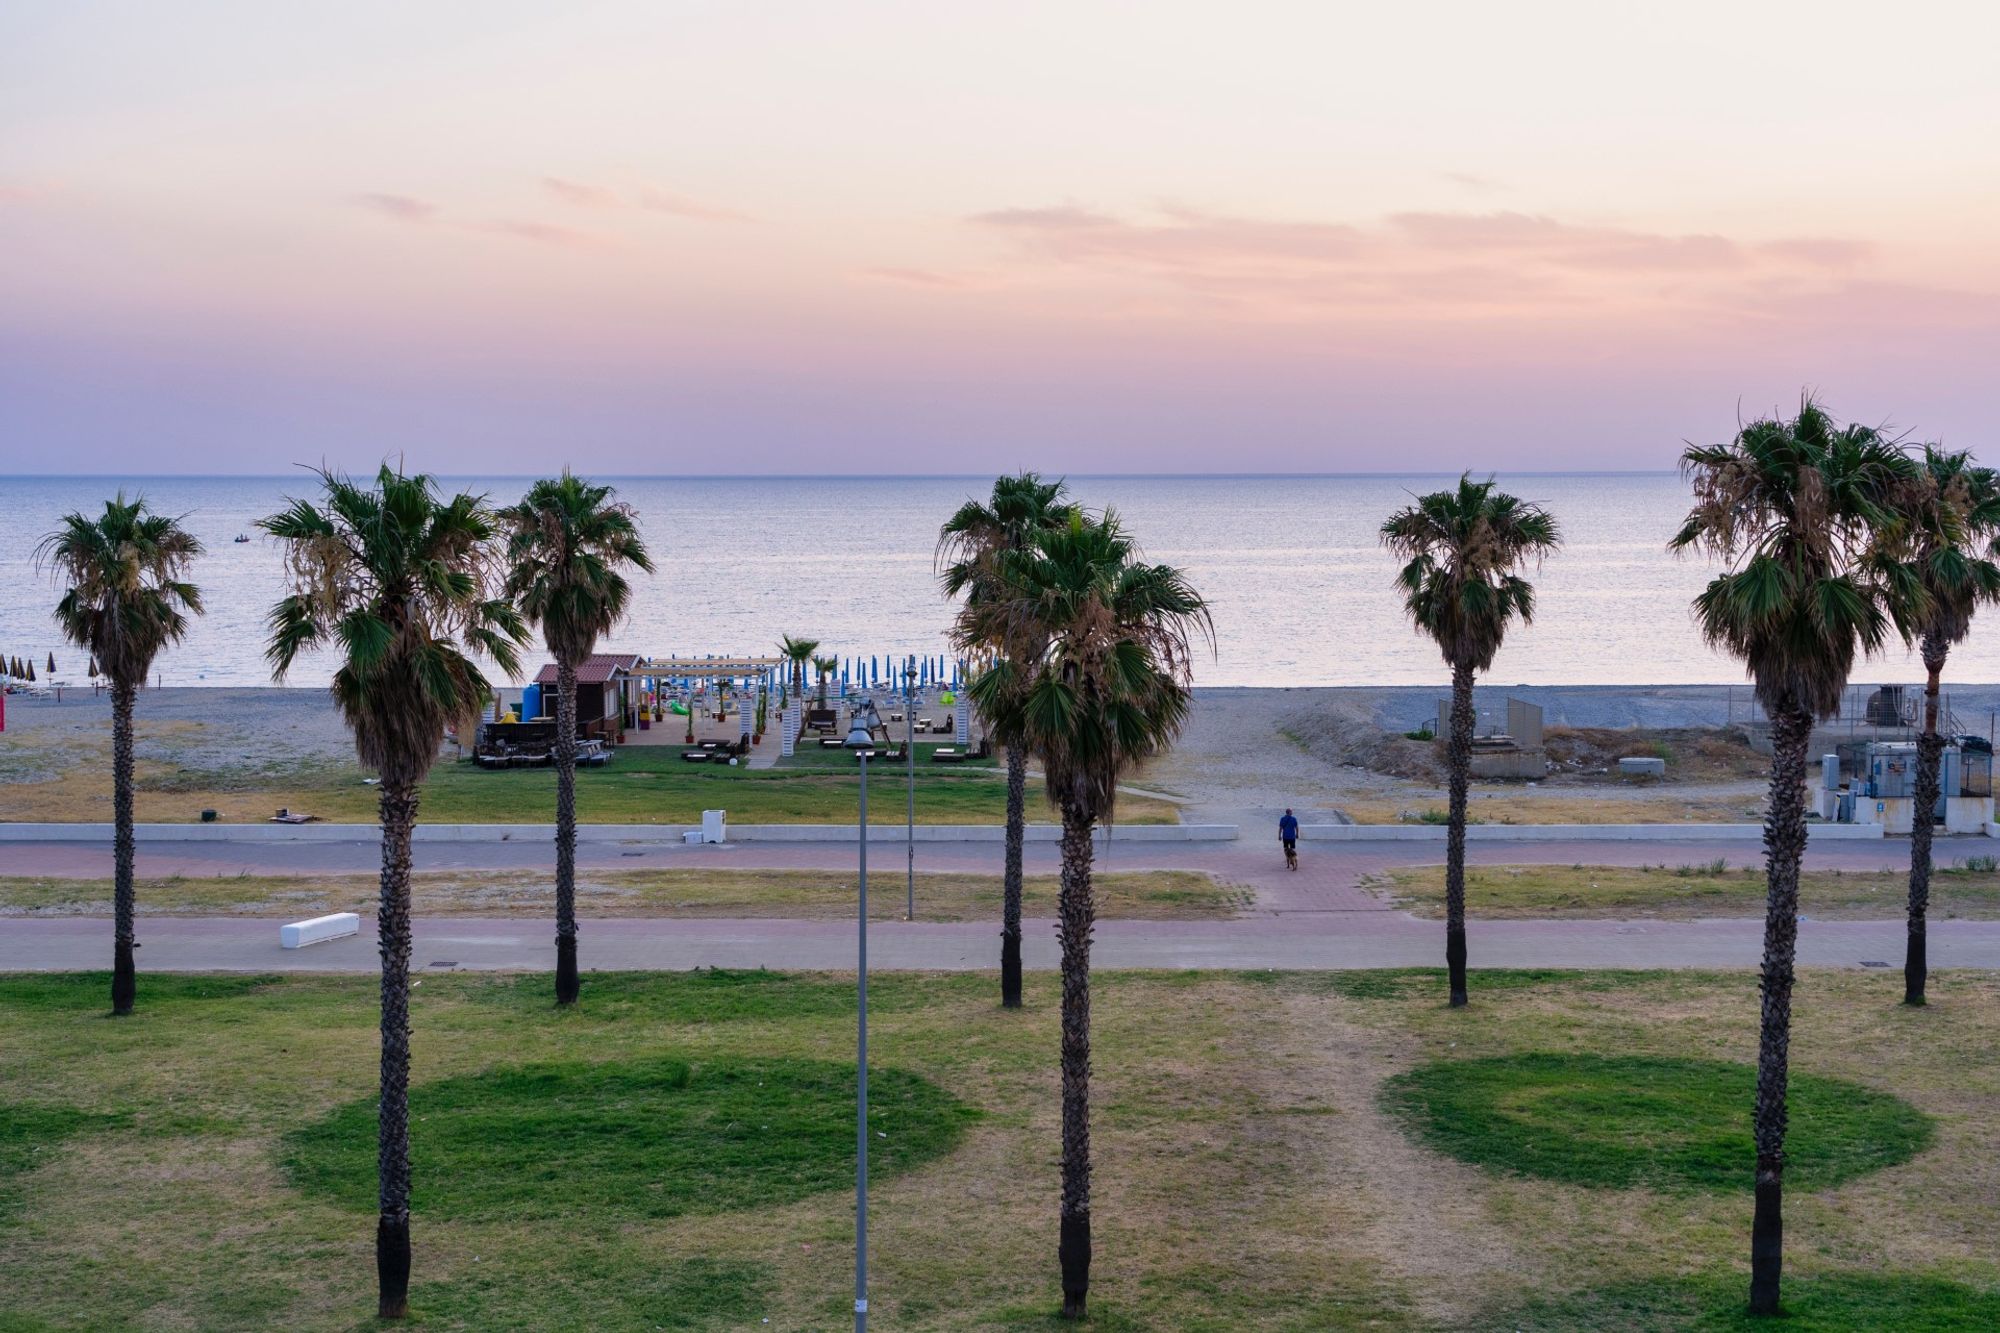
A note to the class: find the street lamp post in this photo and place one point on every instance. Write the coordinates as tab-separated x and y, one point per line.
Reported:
860	737
910	756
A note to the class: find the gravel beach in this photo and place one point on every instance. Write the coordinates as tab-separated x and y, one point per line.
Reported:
1248	753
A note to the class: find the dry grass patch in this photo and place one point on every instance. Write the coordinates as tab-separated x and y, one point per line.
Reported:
1684	892
1246	1175
1147	895
1519	804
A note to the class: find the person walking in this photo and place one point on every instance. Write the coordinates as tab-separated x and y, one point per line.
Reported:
1288	833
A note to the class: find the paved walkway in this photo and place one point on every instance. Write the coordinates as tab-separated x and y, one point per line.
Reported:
1319	917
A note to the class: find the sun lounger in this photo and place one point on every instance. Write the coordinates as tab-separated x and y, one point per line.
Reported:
696	756
287	817
945	754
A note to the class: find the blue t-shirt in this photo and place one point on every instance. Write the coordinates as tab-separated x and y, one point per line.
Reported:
1288	828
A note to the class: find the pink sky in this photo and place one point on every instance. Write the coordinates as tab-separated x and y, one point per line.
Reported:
842	237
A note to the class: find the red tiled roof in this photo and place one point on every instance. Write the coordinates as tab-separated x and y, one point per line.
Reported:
595	670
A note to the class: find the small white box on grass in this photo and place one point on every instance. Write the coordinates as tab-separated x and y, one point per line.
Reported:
300	933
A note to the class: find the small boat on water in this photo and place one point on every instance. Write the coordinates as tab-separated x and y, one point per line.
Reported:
240	537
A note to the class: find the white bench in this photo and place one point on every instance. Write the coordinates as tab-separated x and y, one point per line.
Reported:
300	933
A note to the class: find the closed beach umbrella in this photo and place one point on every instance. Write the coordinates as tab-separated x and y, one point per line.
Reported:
52	664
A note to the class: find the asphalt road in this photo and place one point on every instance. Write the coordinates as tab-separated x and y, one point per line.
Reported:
1317	918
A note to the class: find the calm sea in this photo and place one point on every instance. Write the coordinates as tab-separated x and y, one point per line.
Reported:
1300	589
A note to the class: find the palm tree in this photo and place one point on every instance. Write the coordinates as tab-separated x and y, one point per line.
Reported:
798	652
969	545
404	582
1110	689
1944	531
126	597
1462	551
825	666
1793	509
567	542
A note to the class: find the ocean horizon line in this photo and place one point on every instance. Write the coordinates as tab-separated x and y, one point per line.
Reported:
875	476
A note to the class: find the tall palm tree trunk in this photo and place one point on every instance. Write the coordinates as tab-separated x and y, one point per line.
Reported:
1458	757
1077	913
1784	845
1010	885
392	1230
1930	753
124	975
566	978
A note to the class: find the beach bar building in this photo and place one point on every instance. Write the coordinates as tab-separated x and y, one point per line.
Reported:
602	681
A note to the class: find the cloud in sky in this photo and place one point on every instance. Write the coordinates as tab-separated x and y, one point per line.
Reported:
1466	179
1061	218
1824	251
541	232
583	196
680	206
1559	243
401	207
649	199
1414	265
915	277
422	212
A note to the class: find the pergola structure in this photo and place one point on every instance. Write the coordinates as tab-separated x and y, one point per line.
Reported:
663	673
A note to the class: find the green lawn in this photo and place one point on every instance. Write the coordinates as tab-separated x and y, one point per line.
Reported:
641	785
1155	895
1631	1121
671	1155
1719	888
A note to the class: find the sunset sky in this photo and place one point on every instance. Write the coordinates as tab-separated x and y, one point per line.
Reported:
952	237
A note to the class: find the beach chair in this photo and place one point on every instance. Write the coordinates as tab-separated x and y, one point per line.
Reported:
945	754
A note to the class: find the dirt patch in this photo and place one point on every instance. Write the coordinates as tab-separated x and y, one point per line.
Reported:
1337	736
1693	754
1419	1216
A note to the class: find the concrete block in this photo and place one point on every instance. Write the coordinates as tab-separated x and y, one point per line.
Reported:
298	934
1641	766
